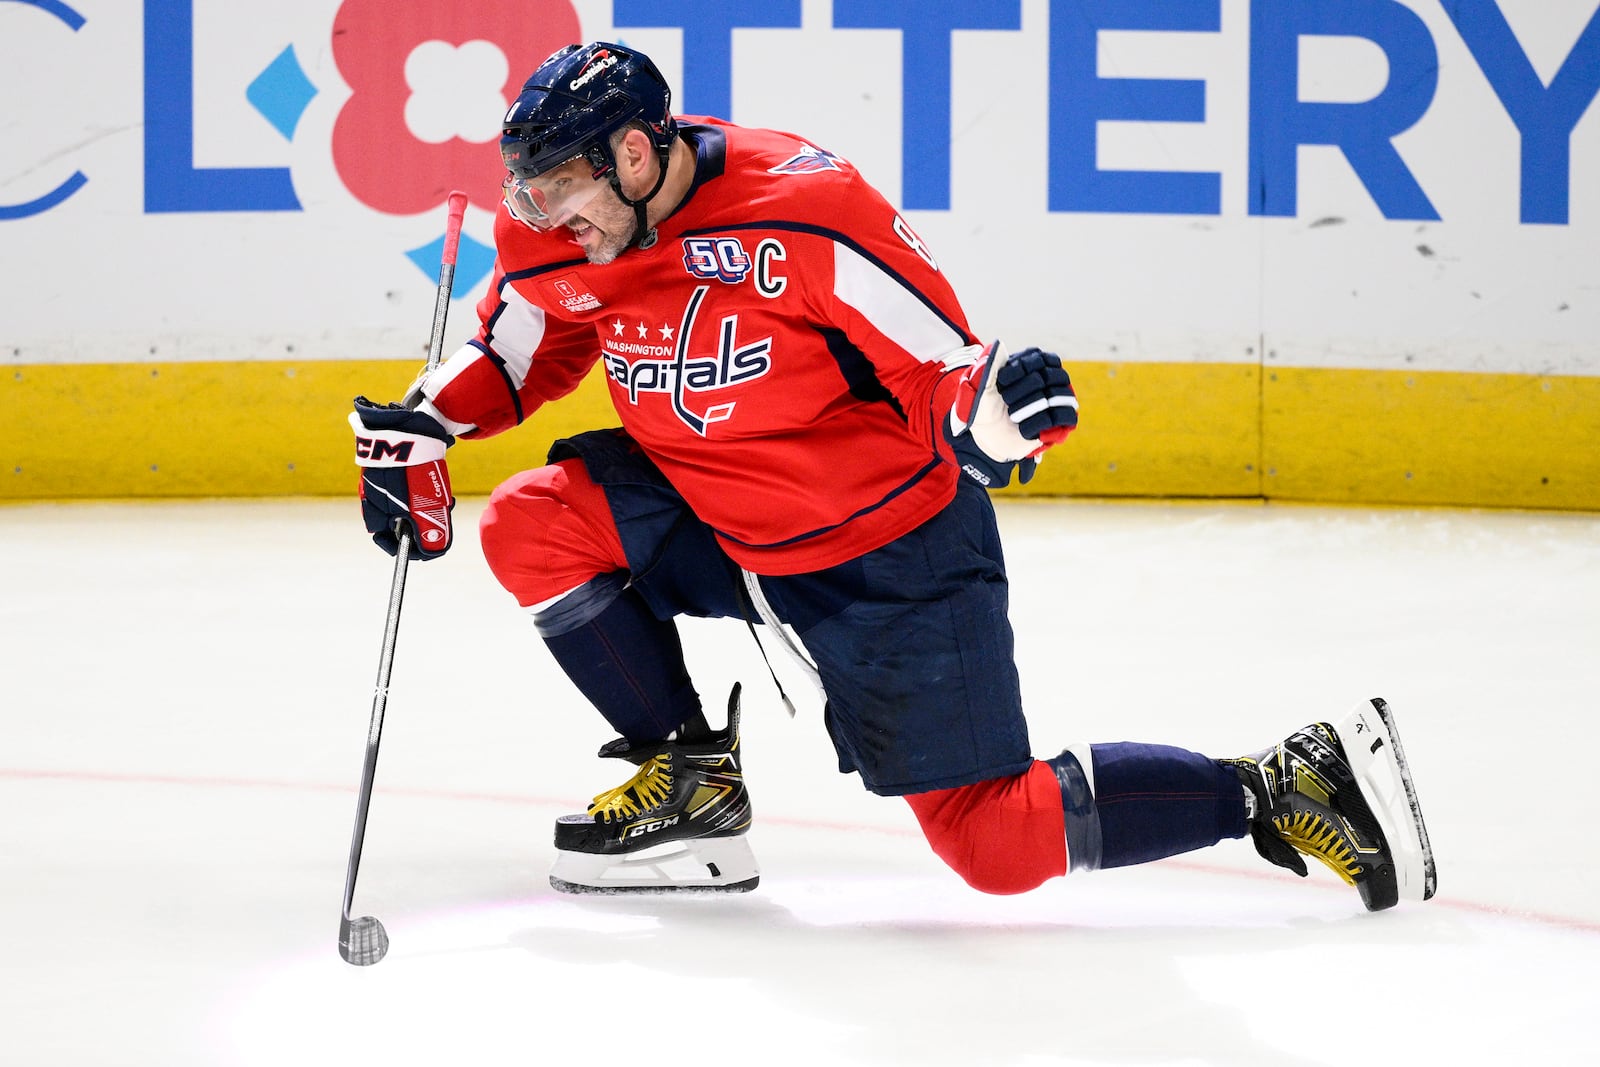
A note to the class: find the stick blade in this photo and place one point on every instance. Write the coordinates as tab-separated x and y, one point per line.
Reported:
363	941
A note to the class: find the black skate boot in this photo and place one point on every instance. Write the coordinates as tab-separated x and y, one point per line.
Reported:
1343	795
679	823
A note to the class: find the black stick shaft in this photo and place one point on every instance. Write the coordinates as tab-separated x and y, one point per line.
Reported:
380	699
457	205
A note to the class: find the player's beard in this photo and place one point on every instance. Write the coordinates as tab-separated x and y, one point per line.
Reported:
614	228
611	247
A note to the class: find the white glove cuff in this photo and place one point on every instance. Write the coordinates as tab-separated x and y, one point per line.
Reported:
992	428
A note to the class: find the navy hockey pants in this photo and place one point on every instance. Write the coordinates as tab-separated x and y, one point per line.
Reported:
911	640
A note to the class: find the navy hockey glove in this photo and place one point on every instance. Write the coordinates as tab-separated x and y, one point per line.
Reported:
1008	410
405	485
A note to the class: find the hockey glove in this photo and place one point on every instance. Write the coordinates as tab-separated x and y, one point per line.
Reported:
405	485
1008	410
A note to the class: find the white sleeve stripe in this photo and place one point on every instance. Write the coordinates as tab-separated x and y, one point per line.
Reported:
441	376
452	427
894	310
516	332
446	372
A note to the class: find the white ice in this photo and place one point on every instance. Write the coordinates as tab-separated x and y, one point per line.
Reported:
185	704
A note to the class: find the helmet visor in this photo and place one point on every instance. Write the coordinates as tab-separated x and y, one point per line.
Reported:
555	197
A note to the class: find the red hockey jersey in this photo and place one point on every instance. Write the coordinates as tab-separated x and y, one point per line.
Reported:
782	351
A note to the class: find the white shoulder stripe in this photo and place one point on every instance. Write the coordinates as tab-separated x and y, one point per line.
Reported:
893	309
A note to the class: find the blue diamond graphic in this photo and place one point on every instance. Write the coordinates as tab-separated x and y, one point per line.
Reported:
282	92
474	261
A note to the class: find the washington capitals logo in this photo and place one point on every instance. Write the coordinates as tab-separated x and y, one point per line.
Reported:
809	160
682	374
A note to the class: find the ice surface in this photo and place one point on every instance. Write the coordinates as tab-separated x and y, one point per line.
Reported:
184	699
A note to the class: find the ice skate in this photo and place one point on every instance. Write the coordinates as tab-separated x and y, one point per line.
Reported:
678	824
1343	794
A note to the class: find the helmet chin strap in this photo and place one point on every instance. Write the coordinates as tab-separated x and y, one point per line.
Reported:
645	233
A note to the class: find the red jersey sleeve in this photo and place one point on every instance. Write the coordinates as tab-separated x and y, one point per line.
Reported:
887	294
522	358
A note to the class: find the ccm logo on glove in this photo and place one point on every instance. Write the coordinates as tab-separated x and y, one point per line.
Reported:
378	450
405	485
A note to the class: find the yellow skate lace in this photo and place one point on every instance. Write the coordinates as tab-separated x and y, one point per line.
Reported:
1320	839
643	792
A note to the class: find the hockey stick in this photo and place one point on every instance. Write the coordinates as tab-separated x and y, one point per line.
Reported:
364	941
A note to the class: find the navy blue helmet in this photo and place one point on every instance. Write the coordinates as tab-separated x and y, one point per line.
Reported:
576	100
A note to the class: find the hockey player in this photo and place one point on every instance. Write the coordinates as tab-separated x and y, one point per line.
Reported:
808	430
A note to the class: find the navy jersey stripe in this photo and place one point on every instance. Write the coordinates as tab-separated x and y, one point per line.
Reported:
485	346
860	376
545	268
908	484
849	242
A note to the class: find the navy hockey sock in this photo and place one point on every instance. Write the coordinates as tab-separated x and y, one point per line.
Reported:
627	662
1149	802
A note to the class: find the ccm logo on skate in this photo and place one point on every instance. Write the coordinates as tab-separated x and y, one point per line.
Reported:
651	827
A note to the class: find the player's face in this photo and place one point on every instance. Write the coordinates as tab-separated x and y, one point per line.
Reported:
552	199
605	228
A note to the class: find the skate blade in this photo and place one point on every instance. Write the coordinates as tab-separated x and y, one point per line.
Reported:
1372	745
697	865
